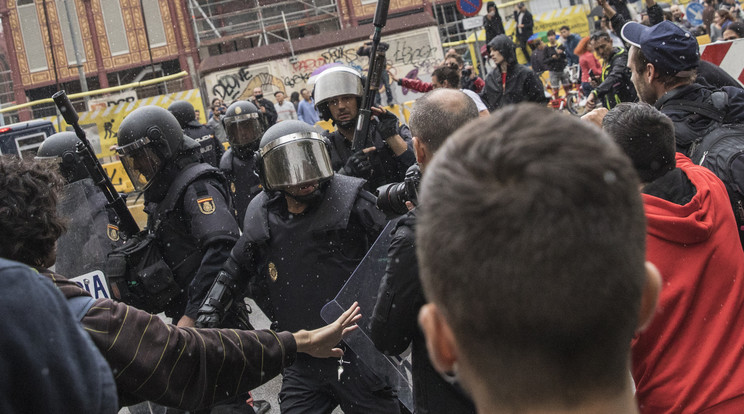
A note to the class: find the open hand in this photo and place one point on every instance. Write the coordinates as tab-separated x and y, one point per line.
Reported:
322	342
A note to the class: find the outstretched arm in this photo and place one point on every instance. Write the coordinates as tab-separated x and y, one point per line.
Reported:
322	342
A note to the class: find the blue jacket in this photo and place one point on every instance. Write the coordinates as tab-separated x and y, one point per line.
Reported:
48	363
570	44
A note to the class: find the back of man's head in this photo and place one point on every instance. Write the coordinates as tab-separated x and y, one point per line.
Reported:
438	114
646	135
531	244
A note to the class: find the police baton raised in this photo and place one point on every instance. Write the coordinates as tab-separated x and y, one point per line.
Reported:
374	73
127	225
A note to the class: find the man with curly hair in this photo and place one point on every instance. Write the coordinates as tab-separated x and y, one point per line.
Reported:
179	367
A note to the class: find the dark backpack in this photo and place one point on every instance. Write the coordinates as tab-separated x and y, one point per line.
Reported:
720	147
137	273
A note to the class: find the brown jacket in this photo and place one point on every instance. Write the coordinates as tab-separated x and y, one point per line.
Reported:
185	368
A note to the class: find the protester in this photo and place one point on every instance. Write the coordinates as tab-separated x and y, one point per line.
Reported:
523	19
588	63
555	61
615	86
448	77
285	111
529	321
48	363
492	22
692	240
570	41
734	31
510	82
306	108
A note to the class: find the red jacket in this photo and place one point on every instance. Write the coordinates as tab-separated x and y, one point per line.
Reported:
420	86
691	356
415	84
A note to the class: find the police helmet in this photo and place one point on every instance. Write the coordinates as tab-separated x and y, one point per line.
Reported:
183	111
60	148
243	126
334	82
292	154
149	137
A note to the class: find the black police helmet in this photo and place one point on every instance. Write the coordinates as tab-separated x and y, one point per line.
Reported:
292	153
149	138
183	111
61	148
243	127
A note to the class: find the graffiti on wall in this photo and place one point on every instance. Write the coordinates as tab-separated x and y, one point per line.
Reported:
410	51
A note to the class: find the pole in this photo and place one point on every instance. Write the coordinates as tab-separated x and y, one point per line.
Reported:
147	38
78	63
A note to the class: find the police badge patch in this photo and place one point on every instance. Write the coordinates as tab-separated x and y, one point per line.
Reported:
272	272
112	232
206	205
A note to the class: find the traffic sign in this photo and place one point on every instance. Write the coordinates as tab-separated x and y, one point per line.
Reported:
694	12
472	23
469	8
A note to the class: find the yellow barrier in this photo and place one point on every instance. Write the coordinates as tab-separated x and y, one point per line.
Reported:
99	91
118	176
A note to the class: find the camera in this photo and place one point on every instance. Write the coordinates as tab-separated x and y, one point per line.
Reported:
391	198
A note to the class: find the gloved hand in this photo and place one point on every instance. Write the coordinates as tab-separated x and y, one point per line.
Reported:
388	125
358	165
210	316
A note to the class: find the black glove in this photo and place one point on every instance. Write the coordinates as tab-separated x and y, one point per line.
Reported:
357	165
388	125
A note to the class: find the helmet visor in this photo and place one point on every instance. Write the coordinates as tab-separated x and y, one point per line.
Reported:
294	160
140	162
243	129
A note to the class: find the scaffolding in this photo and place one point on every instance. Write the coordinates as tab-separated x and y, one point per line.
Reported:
260	22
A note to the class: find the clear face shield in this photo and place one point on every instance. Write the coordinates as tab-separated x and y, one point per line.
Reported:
141	162
295	160
243	129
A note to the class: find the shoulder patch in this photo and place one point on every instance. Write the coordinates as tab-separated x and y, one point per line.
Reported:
112	231
206	205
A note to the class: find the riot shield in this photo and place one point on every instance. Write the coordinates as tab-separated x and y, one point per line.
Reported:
362	287
82	249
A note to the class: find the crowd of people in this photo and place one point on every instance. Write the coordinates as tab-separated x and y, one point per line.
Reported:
542	259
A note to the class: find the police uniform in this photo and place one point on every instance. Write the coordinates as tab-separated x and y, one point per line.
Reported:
196	237
386	166
211	149
244	183
302	261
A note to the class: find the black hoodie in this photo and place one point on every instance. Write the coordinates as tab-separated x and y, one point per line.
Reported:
522	84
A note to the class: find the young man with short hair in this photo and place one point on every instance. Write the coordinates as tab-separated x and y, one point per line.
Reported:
531	250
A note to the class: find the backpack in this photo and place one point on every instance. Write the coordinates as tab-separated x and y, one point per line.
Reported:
137	273
720	147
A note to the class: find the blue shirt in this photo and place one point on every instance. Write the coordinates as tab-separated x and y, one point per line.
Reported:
306	112
570	44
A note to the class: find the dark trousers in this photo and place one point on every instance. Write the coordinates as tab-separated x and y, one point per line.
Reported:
525	49
311	385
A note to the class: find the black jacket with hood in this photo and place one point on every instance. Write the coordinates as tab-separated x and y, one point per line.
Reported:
522	84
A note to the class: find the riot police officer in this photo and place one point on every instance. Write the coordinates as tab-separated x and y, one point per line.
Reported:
388	151
187	203
211	149
244	129
92	227
303	237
